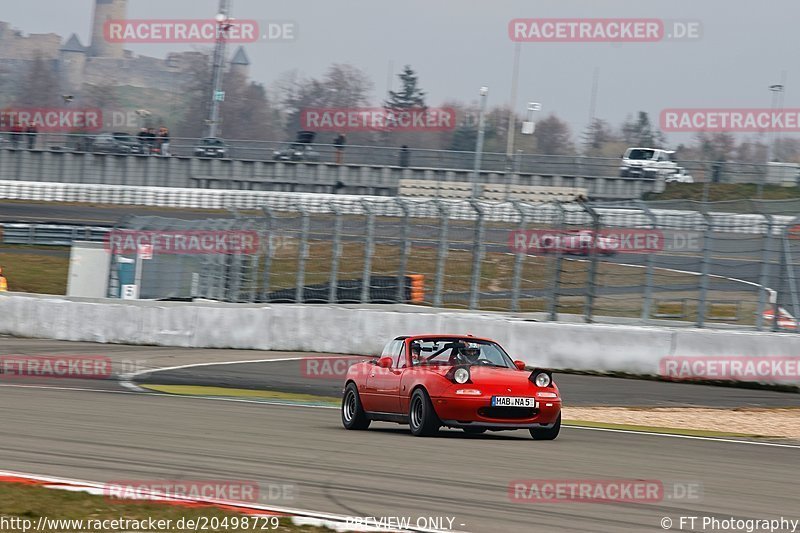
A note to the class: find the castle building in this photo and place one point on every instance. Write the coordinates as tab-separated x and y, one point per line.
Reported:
101	62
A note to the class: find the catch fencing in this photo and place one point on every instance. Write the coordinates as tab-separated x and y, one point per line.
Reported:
690	264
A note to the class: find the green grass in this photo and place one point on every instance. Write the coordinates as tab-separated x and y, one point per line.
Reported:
226	392
31	502
723	192
29	271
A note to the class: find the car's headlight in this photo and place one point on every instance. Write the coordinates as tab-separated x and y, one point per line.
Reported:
461	375
541	378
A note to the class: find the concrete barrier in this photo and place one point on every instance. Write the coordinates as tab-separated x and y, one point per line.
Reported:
364	330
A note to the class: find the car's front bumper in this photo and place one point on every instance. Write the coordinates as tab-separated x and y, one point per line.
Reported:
477	412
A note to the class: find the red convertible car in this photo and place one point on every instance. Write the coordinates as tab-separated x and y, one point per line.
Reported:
457	381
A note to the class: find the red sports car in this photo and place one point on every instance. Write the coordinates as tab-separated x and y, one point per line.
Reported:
430	381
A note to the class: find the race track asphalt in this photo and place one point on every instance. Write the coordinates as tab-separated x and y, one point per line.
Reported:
107	436
96	430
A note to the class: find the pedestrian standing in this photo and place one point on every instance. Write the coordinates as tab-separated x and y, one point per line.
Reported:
405	156
163	138
339	143
31	132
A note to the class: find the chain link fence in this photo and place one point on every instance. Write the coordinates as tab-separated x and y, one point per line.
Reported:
691	264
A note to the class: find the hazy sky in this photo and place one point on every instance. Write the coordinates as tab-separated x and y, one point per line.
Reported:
457	46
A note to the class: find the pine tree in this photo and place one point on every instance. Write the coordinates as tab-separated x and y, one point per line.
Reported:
410	96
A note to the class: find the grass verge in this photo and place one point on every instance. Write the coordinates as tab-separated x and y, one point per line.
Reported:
27	502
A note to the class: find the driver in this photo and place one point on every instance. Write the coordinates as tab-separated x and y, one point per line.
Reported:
416	353
470	353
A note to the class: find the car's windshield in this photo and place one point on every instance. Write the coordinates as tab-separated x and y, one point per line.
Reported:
212	142
450	351
641	154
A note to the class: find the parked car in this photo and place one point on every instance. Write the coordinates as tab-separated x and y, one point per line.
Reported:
457	381
680	176
116	143
647	163
211	147
300	150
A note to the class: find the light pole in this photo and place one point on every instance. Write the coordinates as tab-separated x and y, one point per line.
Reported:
479	145
223	25
512	122
776	91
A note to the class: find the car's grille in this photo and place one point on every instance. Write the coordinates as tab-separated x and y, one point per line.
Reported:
508	413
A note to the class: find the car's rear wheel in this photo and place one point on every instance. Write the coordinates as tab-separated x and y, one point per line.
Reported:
353	415
421	416
547	433
474	431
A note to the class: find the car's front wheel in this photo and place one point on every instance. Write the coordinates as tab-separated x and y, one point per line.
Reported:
547	433
421	416
353	415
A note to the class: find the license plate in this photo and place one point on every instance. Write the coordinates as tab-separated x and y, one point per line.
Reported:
513	401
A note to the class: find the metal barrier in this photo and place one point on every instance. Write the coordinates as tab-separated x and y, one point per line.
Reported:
109	169
51	234
619	263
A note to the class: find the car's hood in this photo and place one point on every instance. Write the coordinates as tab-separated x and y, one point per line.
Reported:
492	375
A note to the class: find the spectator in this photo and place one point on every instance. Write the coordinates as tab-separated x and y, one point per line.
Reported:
143	140
405	156
16	134
339	143
152	140
163	139
3	281
31	132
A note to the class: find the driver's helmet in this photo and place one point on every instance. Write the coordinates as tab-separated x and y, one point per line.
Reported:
416	351
470	351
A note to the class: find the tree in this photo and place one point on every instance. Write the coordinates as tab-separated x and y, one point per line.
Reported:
600	140
640	132
410	96
343	86
553	137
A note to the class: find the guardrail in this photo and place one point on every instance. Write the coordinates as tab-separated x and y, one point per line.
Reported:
597	348
51	234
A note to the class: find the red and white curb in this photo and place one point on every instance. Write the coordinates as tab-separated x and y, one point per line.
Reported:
299	517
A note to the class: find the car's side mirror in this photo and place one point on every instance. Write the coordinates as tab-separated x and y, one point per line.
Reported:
520	365
385	362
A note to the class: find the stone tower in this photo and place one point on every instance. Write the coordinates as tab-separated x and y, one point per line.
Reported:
105	10
72	62
240	64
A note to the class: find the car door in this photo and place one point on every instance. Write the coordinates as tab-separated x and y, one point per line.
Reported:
383	384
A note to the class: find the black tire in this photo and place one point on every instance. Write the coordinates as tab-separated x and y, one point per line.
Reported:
474	430
353	415
421	417
547	434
